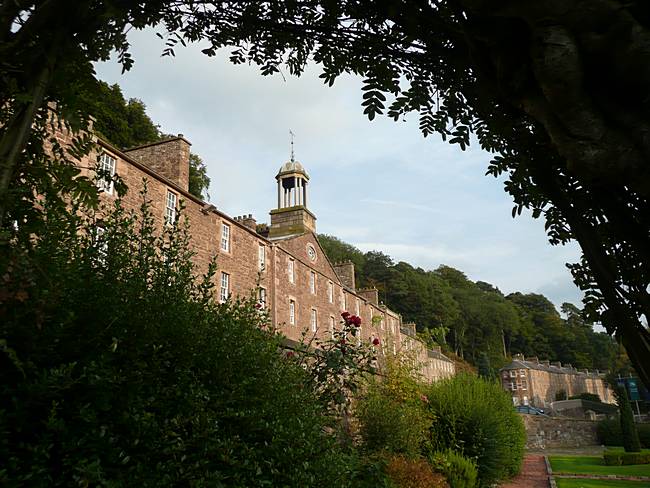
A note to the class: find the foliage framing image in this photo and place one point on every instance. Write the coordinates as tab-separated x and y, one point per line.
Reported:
555	90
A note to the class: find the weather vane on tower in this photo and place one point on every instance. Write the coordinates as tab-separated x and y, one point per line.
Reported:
292	136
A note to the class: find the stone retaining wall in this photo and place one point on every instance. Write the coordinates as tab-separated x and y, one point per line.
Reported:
552	433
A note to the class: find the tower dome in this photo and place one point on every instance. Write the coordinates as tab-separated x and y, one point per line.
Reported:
292	167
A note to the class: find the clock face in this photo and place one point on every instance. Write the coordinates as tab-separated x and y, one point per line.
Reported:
311	252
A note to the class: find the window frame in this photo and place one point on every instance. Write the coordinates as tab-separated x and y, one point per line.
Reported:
312	282
313	320
225	237
170	211
261	297
330	292
103	184
292	312
224	292
291	270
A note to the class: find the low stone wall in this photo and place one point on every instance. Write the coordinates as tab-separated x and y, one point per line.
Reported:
552	433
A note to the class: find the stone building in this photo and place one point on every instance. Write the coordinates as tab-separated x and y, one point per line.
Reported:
534	382
282	263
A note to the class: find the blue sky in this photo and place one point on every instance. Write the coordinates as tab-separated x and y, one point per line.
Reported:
378	185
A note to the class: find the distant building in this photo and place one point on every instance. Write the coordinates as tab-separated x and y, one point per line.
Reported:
282	263
538	383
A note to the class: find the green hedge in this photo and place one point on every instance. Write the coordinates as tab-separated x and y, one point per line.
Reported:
475	418
620	458
609	433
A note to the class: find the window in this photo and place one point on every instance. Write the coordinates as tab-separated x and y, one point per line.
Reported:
261	257
107	167
100	244
290	270
312	282
292	312
356	308
225	287
170	208
314	320
261	297
513	374
513	385
225	237
330	292
343	301
522	372
332	324
524	385
359	330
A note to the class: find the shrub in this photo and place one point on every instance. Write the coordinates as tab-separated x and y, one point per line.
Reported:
118	369
592	397
413	473
618	458
475	418
609	432
628	429
392	413
460	471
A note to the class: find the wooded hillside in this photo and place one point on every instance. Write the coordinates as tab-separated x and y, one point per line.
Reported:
471	318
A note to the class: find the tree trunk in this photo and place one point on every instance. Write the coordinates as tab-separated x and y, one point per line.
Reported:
16	133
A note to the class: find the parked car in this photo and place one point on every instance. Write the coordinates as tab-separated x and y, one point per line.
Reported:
530	410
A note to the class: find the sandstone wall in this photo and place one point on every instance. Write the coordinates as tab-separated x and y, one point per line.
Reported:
550	433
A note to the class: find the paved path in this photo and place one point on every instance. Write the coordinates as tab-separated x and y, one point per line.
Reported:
533	474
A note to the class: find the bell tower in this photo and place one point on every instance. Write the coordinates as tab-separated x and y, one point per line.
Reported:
291	217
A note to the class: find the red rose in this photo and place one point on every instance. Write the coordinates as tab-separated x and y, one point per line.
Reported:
345	315
290	354
355	320
258	305
375	341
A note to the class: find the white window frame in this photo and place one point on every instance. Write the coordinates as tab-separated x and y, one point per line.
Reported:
224	290
261	257
332	326
513	373
513	386
261	297
225	237
524	385
359	333
170	208
357	307
330	292
314	320
292	312
107	163
291	270
312	282
102	249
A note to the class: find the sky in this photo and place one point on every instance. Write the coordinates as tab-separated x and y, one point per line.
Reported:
378	185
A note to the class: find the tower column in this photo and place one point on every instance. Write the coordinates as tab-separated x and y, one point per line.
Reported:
279	193
304	193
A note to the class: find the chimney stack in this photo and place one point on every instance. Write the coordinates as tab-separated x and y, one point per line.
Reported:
169	158
345	272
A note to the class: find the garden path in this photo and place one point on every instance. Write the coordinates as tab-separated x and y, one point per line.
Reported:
533	474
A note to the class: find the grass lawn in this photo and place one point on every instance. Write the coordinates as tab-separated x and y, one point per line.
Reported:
575	483
595	465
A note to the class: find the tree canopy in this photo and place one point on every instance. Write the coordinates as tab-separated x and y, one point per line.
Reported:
557	91
125	124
